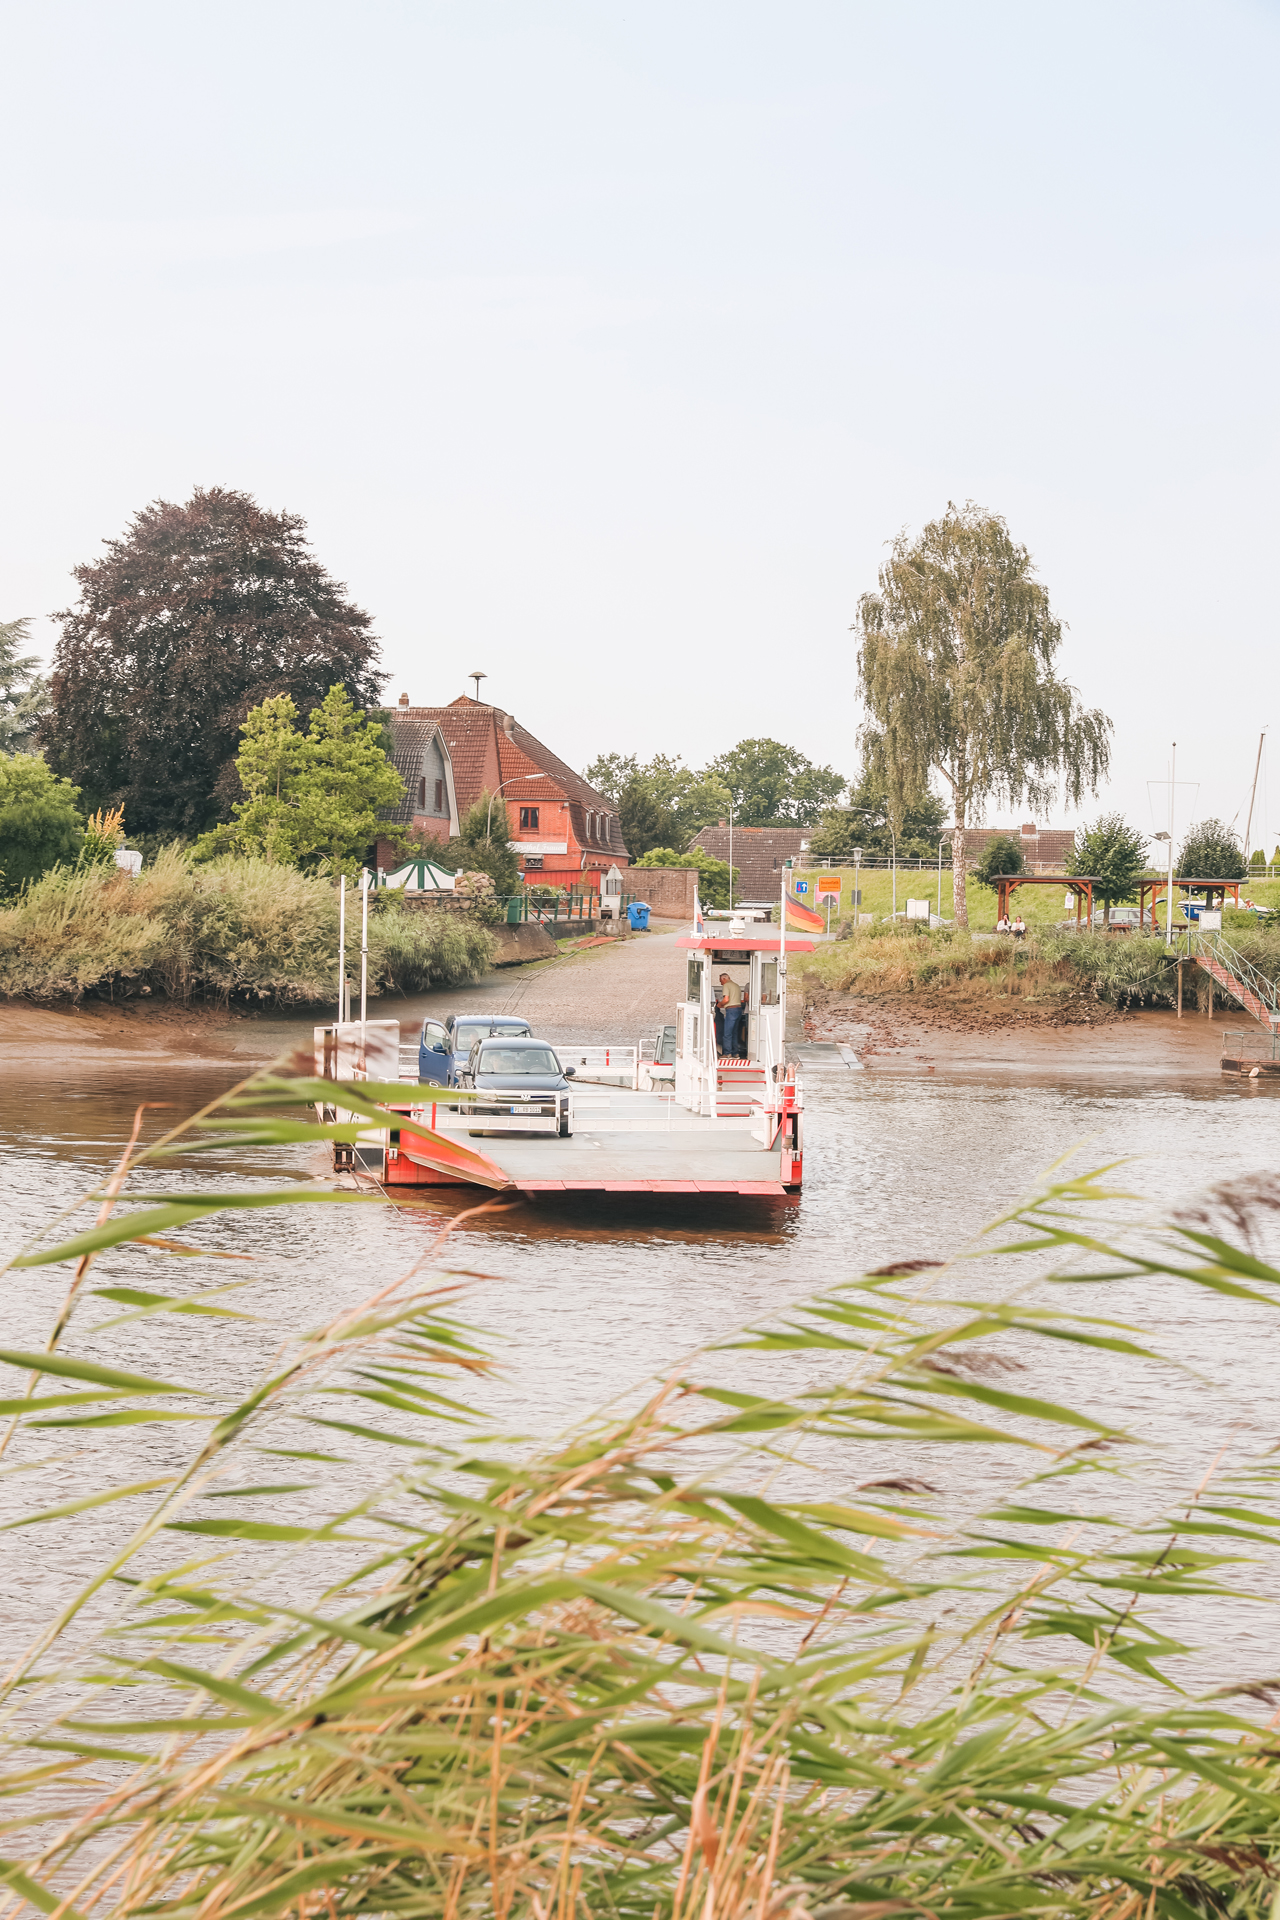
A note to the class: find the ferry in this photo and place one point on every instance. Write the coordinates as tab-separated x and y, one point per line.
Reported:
668	1115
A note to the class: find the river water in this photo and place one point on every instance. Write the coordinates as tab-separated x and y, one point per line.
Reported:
588	1298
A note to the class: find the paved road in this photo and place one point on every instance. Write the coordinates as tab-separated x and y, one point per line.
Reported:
614	993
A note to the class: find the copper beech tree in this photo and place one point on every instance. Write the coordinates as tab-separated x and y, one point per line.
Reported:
956	660
199	613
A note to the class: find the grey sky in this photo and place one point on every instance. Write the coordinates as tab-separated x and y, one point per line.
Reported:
604	346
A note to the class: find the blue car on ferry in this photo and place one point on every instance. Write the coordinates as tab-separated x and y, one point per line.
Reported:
445	1045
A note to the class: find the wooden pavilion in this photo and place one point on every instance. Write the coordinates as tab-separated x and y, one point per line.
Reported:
1156	890
1079	884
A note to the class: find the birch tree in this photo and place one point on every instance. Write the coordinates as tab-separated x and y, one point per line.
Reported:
956	662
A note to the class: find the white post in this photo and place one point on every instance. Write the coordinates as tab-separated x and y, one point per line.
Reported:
364	944
782	975
893	842
1173	770
342	950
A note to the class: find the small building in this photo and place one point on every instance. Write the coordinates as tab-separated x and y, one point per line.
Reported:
1044	849
759	854
564	833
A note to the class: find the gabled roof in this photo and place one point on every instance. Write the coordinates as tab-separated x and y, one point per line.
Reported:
411	735
488	748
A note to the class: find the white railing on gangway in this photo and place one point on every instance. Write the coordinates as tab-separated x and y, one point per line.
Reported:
615	1066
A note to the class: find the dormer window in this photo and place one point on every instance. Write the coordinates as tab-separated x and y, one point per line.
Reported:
422	793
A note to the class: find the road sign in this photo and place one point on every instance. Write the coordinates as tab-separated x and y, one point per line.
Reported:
831	885
802	886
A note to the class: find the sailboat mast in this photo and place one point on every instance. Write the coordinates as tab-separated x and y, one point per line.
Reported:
1253	796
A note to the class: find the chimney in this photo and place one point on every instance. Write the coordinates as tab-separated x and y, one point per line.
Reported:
722	823
509	726
404	699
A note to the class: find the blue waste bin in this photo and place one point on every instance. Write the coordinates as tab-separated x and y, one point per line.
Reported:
638	915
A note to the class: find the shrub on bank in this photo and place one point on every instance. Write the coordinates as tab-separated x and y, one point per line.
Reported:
245	928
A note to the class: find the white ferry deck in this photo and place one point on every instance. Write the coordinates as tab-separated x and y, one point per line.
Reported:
624	1142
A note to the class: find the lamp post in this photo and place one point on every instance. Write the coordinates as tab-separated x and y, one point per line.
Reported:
893	860
857	886
1168	923
488	819
731	859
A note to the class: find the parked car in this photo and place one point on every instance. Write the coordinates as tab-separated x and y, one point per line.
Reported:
444	1045
523	1082
1123	919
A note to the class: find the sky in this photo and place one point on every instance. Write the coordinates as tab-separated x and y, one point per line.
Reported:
604	347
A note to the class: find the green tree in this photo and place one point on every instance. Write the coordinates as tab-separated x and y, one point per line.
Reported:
40	822
1001	855
645	822
956	665
483	844
1211	851
1114	855
770	784
308	797
661	803
867	822
201	612
24	696
713	875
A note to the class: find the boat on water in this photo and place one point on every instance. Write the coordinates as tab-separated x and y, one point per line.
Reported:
667	1115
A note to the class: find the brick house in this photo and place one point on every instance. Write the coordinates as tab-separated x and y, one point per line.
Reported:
1043	848
564	832
759	854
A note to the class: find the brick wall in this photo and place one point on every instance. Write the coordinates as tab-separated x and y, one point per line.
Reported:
669	890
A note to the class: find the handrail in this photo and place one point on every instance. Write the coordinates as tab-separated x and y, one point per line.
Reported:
1240	968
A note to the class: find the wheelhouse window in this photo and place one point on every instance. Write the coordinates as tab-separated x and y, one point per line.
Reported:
529	819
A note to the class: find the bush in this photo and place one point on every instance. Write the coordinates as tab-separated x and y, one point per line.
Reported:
713	874
39	821
1001	855
245	928
411	950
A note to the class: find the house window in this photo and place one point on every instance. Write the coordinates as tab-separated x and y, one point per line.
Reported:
422	793
439	795
533	860
529	819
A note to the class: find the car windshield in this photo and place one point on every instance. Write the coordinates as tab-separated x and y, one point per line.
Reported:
466	1033
517	1060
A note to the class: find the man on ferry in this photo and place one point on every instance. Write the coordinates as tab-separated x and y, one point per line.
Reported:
730	998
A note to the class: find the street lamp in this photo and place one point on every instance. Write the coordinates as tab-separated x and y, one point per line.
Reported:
1168	910
488	820
857	889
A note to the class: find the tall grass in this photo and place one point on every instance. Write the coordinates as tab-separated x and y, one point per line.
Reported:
243	928
1045	968
699	1661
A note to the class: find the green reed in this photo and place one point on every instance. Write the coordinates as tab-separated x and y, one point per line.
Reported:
701	1658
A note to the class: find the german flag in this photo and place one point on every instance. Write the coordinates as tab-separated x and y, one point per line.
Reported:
801	919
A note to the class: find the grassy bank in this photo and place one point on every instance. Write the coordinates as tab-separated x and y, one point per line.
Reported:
1044	970
1040	907
703	1660
231	929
